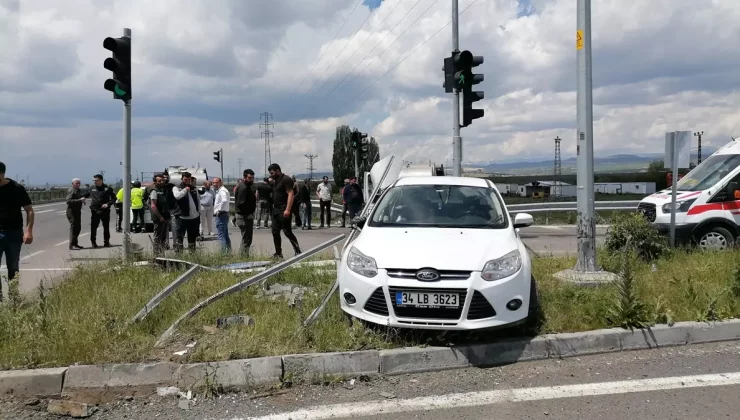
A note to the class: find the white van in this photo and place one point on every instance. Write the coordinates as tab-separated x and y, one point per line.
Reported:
707	202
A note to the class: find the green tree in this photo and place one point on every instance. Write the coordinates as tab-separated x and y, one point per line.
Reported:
343	158
656	166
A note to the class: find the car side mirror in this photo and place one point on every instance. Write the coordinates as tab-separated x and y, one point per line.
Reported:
523	220
733	191
359	221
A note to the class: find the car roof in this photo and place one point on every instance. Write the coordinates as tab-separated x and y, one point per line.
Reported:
444	180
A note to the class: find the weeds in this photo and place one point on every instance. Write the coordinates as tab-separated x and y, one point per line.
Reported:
642	237
83	320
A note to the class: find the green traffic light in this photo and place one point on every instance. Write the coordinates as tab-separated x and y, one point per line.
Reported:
119	91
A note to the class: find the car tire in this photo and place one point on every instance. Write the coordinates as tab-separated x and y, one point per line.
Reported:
715	238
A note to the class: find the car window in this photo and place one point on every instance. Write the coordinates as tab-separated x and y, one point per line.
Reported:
708	173
440	206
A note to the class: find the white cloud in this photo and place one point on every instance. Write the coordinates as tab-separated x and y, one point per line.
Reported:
204	71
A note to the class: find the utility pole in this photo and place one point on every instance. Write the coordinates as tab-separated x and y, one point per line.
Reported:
585	144
266	134
698	151
239	162
310	165
586	271
456	139
222	164
557	172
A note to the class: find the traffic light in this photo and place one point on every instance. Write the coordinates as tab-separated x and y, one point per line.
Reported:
217	156
465	79
120	65
354	140
364	146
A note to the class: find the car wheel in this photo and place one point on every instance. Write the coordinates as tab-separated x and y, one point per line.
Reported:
715	238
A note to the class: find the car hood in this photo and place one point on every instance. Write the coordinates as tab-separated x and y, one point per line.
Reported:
443	249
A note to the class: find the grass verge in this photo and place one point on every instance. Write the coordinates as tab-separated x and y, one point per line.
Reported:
84	320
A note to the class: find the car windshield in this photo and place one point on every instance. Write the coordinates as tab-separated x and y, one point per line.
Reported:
447	206
708	173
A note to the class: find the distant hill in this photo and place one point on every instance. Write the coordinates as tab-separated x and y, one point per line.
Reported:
316	175
617	163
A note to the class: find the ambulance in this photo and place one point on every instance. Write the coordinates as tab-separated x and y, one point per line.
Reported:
707	202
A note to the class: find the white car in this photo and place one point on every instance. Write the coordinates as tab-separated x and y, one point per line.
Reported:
439	252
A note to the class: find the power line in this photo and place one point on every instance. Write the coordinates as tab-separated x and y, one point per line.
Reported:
340	53
409	55
310	165
327	49
352	72
361	45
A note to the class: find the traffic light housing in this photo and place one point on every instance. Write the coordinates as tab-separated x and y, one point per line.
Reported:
120	65
217	156
465	61
364	147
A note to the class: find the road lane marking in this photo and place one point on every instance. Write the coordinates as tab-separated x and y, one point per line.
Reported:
49	205
47	269
62	212
62	243
43	211
486	398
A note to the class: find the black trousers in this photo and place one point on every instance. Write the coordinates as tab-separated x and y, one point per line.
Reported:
137	226
296	212
119	215
325	205
75	225
282	223
98	217
161	230
190	227
354	210
246	226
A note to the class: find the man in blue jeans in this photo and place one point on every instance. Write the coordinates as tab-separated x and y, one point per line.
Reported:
221	206
13	197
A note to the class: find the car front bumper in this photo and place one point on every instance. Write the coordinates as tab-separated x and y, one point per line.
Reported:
483	303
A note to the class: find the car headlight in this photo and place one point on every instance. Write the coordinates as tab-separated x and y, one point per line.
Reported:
361	263
502	267
681	206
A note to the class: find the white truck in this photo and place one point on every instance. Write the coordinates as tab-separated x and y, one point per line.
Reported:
707	202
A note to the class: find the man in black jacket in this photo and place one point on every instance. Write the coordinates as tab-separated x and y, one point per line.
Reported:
160	212
282	202
102	198
75	201
246	204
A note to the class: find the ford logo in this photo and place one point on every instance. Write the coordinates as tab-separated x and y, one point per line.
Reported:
427	274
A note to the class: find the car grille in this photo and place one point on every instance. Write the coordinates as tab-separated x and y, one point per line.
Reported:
480	308
376	303
647	210
404	273
428	313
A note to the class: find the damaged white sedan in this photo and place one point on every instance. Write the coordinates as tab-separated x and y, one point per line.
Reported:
439	252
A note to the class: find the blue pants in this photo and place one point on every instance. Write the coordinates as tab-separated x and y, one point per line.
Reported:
10	246
306	212
222	227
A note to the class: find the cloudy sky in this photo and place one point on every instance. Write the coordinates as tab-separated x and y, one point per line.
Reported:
204	70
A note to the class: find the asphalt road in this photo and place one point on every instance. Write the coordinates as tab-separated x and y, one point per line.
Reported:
693	382
49	257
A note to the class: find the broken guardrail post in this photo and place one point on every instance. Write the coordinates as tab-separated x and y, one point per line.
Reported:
244	284
159	297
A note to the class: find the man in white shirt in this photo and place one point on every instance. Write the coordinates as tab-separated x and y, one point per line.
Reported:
221	213
323	192
207	197
186	217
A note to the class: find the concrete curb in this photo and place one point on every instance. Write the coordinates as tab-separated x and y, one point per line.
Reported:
269	371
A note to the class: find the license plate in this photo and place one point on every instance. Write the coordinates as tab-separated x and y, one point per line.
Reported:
427	299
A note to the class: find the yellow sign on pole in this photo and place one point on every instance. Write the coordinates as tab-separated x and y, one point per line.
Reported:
579	39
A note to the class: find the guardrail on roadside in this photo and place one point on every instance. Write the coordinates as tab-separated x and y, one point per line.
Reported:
571	205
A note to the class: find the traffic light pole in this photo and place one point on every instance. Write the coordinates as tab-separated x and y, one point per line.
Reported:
126	208
585	144
222	164
456	139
